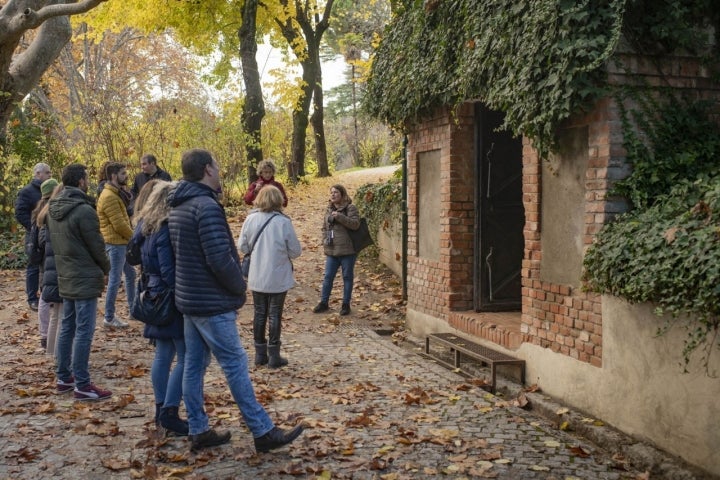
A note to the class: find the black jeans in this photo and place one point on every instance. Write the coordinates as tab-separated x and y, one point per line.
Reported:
268	306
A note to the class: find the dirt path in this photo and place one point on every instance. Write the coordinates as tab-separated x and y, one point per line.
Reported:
376	297
377	292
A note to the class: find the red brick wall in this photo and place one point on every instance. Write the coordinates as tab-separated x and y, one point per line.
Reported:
435	287
558	317
555	316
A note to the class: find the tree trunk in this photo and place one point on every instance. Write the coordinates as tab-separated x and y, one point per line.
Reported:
318	123
300	122
312	81
254	107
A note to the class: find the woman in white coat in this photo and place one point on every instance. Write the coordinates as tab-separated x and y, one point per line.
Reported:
269	235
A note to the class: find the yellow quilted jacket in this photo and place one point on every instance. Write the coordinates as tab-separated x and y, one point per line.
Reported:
115	224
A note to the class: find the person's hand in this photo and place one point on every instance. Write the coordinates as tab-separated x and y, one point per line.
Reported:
259	184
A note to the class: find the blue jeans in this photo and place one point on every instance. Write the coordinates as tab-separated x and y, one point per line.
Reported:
76	335
118	265
347	262
268	307
219	334
32	280
167	383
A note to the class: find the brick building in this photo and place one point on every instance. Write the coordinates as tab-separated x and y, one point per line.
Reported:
496	238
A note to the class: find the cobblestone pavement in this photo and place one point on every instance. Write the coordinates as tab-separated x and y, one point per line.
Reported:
372	410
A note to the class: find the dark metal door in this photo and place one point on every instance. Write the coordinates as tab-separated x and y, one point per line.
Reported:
500	215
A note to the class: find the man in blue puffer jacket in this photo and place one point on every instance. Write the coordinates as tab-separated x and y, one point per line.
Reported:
209	288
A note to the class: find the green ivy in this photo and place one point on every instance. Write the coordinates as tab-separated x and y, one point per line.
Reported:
667	142
539	61
380	203
667	254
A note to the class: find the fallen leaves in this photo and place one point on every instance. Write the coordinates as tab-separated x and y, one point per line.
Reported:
22	455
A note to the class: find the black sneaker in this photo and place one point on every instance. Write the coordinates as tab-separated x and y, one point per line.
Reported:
43	343
277	438
321	307
33	304
211	438
345	309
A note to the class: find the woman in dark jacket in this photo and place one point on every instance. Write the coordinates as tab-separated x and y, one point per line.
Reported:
341	216
158	274
50	304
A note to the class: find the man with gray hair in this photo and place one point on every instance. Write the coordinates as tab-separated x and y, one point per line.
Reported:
26	200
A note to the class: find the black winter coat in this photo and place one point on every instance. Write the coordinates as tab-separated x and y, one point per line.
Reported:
26	200
208	279
50	290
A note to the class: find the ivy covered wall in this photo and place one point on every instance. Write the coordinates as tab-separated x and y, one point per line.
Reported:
539	61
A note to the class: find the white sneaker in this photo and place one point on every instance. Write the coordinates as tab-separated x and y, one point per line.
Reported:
115	323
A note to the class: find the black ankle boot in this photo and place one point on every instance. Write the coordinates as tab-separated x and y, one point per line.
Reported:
274	358
276	438
261	354
158	407
211	438
171	421
321	307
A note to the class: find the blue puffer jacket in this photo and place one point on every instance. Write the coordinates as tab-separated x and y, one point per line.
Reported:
208	279
158	268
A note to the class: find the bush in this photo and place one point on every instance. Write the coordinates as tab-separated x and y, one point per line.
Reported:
12	252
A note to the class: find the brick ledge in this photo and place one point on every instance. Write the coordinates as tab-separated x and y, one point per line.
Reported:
501	328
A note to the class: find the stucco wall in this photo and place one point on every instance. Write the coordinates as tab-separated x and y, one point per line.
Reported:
389	242
640	388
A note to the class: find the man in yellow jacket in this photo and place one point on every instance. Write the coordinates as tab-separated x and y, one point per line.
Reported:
116	230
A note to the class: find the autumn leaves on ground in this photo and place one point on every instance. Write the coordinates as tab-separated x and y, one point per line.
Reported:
120	360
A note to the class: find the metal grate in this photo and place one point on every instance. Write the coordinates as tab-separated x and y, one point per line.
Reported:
486	355
471	347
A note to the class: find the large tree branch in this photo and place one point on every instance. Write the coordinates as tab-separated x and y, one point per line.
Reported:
30	18
28	67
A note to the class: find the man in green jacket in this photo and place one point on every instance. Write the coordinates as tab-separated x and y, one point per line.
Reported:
81	267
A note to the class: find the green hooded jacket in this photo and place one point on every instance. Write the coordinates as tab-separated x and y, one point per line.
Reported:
78	245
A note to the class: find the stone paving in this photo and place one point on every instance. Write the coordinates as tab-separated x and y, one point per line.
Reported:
372	410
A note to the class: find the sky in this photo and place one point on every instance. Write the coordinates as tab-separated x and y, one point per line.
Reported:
269	58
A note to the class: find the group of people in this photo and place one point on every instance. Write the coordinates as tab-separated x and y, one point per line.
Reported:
186	245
